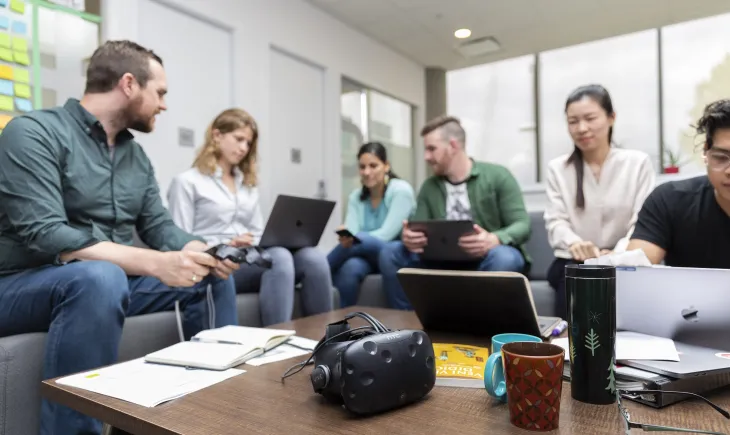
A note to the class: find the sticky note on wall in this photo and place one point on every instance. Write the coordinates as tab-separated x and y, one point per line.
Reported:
20	44
6	72
6	103
19	27
22	90
3	3
21	57
21	75
4	22
4	119
17	6
6	54
23	105
4	40
6	87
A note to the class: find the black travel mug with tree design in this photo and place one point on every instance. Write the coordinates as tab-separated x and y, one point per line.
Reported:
591	298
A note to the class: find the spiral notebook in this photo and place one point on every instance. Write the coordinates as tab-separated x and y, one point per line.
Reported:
221	348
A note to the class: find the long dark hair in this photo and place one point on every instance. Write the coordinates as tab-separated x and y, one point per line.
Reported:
378	150
600	95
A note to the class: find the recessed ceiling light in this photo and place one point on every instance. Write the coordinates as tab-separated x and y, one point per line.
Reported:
462	33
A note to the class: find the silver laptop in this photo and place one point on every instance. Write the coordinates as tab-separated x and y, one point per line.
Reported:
688	305
296	222
693	361
474	303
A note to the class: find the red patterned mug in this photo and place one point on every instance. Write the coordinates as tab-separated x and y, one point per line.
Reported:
533	373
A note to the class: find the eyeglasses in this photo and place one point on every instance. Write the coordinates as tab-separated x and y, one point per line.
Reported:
717	161
628	424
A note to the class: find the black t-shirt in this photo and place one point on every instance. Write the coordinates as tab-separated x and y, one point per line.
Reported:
684	218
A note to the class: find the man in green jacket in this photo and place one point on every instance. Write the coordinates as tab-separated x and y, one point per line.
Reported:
461	189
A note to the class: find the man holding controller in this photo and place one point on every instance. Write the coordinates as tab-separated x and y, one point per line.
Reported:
74	186
461	189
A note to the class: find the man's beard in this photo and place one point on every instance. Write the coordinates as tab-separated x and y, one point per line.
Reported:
135	120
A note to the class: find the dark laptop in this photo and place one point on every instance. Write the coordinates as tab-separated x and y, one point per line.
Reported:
443	240
296	222
693	361
474	303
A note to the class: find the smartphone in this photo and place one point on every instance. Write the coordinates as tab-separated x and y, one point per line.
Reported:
345	233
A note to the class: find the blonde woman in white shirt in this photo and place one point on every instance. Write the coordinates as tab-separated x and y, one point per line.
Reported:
594	193
218	200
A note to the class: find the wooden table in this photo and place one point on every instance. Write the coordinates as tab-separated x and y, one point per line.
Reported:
257	402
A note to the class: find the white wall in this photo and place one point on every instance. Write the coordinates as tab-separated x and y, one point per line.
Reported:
298	28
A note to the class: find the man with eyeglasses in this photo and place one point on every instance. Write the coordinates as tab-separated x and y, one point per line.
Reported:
687	223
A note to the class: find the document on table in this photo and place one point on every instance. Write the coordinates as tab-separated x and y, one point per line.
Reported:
146	384
295	346
632	345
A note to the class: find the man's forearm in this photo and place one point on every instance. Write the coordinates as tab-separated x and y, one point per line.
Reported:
134	261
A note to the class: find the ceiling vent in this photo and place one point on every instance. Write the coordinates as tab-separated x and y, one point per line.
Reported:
479	47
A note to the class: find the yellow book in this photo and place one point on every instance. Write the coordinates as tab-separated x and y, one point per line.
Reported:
460	365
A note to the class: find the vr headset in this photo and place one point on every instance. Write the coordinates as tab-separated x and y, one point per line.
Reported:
370	369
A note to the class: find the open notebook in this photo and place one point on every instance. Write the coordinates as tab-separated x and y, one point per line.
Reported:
221	348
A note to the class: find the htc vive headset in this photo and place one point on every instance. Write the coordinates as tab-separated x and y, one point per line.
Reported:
370	369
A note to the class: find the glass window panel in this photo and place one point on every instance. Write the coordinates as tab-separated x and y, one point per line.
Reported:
695	71
391	124
496	105
627	66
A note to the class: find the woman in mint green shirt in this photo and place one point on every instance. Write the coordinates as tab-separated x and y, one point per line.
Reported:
375	215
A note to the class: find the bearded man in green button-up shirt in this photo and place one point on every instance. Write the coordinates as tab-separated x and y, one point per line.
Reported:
461	189
74	187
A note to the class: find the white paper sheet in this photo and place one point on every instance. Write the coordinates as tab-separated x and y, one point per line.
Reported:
632	345
146	384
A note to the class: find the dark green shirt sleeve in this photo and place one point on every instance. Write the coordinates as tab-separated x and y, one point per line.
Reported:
516	229
423	209
31	190
155	225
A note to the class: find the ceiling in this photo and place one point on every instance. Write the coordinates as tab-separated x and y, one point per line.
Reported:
423	30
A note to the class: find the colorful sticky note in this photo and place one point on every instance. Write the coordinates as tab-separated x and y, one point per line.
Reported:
21	75
19	27
6	87
4	40
22	90
20	44
21	57
6	54
17	6
4	22
4	119
3	3
6	103
6	72
23	105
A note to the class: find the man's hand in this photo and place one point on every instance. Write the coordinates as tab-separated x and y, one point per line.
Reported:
478	243
183	268
223	269
582	251
414	241
242	241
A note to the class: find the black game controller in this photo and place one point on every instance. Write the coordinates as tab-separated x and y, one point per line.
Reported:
252	255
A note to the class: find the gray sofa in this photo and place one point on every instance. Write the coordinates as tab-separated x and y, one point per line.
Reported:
21	356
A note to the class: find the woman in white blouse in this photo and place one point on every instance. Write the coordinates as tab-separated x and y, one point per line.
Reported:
594	193
217	199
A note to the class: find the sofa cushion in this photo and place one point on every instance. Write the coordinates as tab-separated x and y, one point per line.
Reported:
21	365
539	247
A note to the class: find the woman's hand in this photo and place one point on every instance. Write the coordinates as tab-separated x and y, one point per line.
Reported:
242	241
345	241
584	250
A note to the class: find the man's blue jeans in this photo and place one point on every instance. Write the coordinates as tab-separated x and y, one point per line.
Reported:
395	256
82	305
351	265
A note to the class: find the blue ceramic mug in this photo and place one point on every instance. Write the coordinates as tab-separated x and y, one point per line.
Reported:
494	371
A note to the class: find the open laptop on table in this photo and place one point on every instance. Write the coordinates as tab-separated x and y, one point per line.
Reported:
296	222
474	303
689	305
443	239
